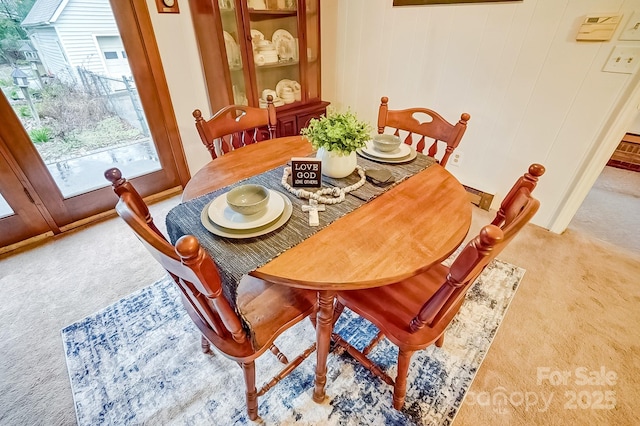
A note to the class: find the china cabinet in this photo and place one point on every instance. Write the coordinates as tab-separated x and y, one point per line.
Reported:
251	49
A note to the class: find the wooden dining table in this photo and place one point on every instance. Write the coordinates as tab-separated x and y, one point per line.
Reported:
404	231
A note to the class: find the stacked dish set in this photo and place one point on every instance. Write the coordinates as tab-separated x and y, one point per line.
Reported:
265	53
282	47
246	211
276	99
289	91
387	149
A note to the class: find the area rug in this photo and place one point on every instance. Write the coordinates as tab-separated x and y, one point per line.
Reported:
138	361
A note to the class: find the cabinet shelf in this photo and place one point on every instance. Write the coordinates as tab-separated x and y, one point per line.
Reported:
262	14
277	65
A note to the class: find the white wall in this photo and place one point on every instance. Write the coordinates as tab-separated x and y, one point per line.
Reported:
533	92
635	126
181	62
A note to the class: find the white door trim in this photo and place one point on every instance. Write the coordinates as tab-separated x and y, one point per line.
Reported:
621	120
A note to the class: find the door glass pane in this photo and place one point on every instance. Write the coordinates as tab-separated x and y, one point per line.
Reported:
67	77
5	209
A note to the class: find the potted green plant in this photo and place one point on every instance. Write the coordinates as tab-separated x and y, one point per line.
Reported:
336	136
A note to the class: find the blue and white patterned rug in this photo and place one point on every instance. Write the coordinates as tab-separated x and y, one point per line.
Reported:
138	361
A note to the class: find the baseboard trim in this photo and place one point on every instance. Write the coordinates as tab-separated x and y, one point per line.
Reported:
84	222
479	198
111	213
24	243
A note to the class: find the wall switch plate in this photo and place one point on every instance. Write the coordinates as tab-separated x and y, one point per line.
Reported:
631	31
623	59
598	27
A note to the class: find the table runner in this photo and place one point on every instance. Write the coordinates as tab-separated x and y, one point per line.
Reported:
237	257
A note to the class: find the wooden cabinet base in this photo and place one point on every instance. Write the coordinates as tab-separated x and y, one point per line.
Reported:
291	121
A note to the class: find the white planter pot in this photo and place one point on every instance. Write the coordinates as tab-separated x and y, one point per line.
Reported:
336	165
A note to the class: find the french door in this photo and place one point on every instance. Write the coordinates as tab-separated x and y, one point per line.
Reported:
19	215
64	122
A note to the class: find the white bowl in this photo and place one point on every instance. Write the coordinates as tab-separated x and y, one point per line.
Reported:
248	199
386	143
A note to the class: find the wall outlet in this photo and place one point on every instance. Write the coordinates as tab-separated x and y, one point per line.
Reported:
455	159
623	59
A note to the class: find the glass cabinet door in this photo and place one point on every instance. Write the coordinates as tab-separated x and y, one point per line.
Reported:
273	27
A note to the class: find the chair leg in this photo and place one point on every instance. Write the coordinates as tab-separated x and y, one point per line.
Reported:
205	345
400	387
440	341
249	370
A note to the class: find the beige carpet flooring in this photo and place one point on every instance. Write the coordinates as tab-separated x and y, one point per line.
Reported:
611	210
577	308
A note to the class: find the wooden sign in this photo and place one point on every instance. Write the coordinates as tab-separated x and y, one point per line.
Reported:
306	172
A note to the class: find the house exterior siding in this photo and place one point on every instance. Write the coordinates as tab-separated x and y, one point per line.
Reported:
45	40
78	25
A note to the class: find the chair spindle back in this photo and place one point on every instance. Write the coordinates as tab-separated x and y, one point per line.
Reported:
437	128
235	126
516	210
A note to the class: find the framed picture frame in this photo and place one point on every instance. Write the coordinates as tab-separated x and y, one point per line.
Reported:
423	2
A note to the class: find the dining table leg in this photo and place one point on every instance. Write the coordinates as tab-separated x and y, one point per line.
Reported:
324	327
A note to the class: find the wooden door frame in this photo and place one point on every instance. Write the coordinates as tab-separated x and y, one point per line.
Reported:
134	23
136	31
618	124
29	215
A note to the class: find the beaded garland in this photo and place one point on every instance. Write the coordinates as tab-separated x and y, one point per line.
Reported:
338	194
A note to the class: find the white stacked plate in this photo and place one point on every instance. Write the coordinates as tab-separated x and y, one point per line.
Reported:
270	55
276	102
402	154
220	220
285	44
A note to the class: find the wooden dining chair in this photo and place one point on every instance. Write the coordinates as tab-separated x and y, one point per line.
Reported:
421	124
235	126
266	309
415	313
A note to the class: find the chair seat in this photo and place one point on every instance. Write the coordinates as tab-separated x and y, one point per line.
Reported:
400	303
256	299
